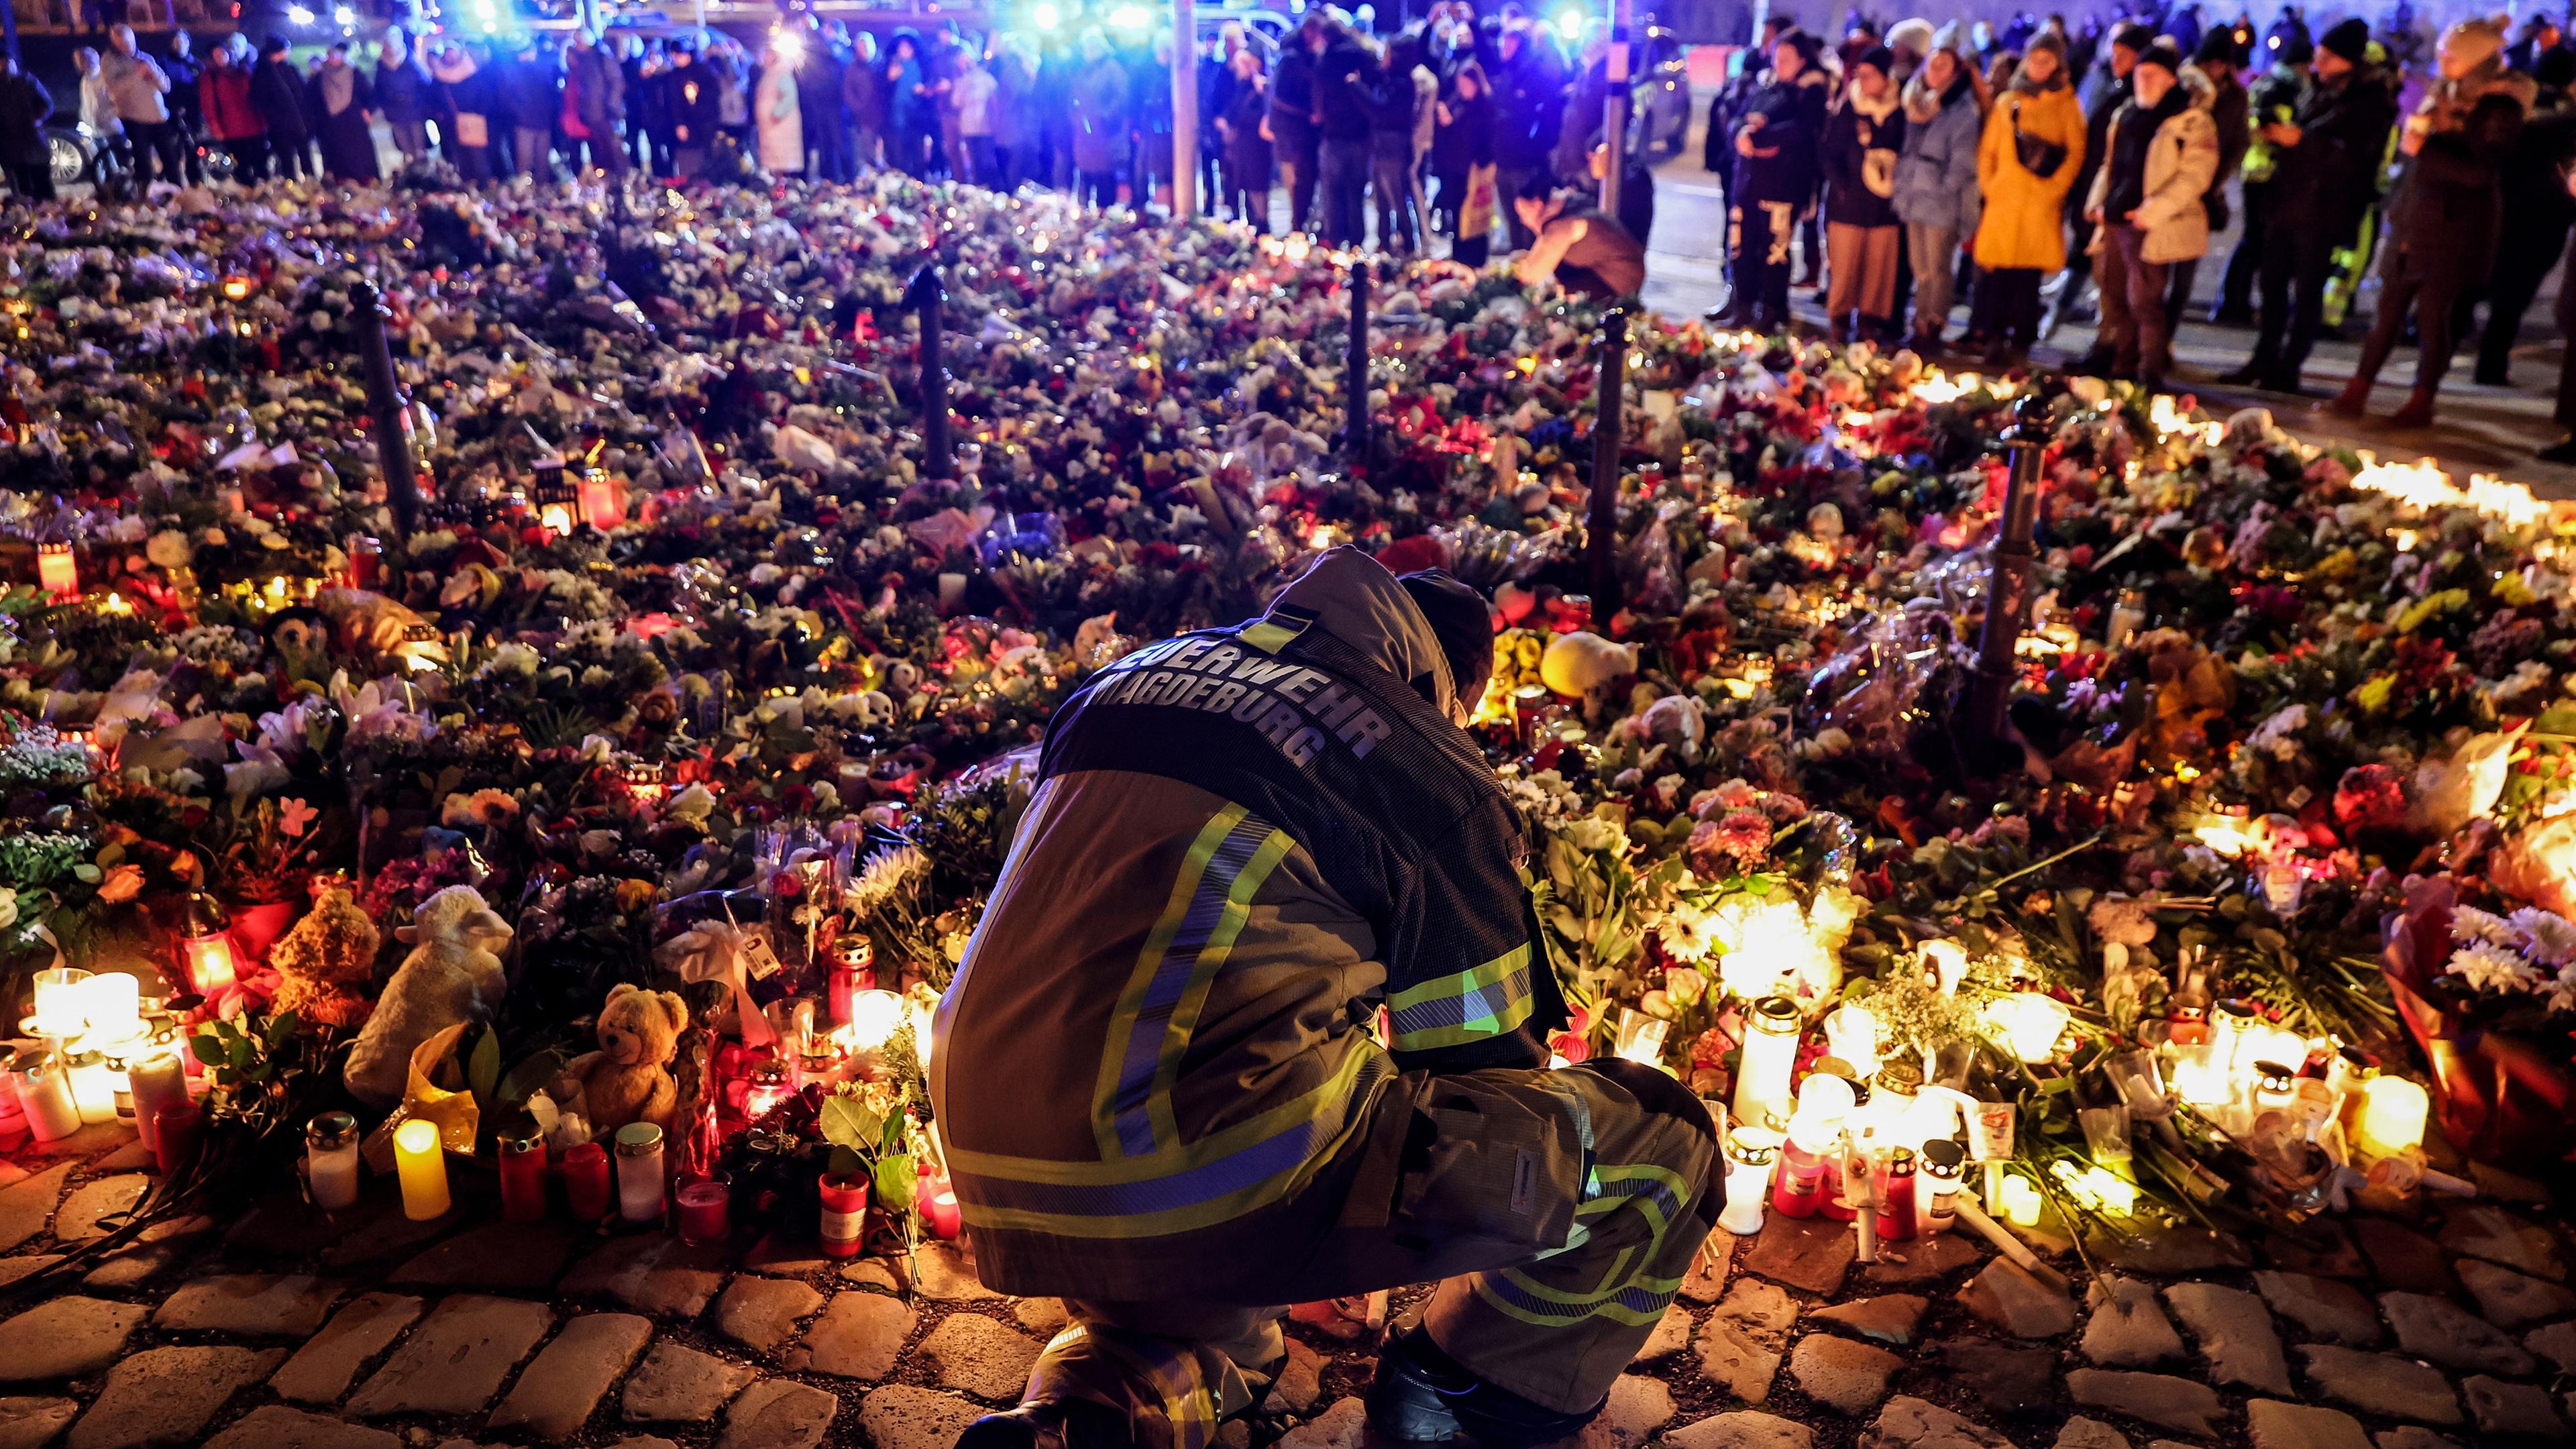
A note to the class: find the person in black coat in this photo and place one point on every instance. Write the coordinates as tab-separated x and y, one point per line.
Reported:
1345	77
1862	233
2325	175
277	93
819	105
2272	101
1529	106
25	105
1462	139
1776	140
2535	177
2109	90
1290	121
187	112
2446	214
1246	151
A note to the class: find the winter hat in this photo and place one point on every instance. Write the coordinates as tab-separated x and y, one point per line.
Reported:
2470	44
2133	35
1912	36
1462	622
2555	67
1950	37
2162	52
274	45
2047	40
2219	44
2349	39
1808	48
1878	58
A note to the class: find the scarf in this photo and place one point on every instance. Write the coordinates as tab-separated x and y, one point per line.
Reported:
1876	112
339	86
1921	104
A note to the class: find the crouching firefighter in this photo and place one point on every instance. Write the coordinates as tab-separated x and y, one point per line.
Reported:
1156	1076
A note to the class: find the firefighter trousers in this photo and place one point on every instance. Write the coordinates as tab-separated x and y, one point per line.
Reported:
1557	1211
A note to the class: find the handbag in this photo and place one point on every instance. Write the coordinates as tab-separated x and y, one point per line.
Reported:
2040	158
1476	212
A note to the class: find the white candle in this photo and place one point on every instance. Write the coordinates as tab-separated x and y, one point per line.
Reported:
331	1160
1770	1052
1851	1033
45	1090
61	1001
2393	1112
158	1083
113	1003
1750	1152
422	1165
639	1172
92	1089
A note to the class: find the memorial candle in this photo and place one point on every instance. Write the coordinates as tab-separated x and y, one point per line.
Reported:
92	1089
845	1213
158	1083
704	1210
936	1202
422	1165
523	1177
1770	1051
45	1090
587	1190
2393	1111
331	1160
639	1172
1750	1151
61	1001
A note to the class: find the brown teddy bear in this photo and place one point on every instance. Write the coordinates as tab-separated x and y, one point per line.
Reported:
323	959
629	1078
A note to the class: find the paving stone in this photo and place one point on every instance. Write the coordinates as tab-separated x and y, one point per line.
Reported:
2172	1252
2009	1297
902	1416
1301	1378
2128	1328
2512	1411
274	1426
2505	1186
2557	1343
1911	1423
272	1305
1742	1429
131	1157
373	1229
1042	1316
2005	1378
135	1266
942	1273
1637	1407
61	1338
455	1361
682	1385
2235	1333
2084	1433
2335	1312
80	1217
1845	1375
1922	1260
2440	1330
1706	1280
643	1441
1739	1344
522	1257
2382	1383
2483	1230
762	1312
32	1423
1889	1318
2410	1436
2510	1299
328	1363
86	1143
2319	1246
875	1273
2403	1258
651	1273
13	1269
2182	1405
1234	1434
1809	1253
980	1355
779	1414
568	1378
26	1204
1343	1426
859	1337
167	1395
2272	1424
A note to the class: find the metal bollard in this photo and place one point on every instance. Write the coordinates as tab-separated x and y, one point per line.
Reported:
1601	515
924	295
2008	586
385	412
1355	384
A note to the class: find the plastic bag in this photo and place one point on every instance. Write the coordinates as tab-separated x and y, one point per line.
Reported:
458	1116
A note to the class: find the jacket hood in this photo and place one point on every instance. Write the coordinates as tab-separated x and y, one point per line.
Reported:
2197	84
1355	599
452	67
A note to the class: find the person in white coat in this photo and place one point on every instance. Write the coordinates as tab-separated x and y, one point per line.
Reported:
2145	206
778	124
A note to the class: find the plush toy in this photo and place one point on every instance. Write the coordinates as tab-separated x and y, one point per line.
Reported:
629	1078
1578	664
323	959
452	975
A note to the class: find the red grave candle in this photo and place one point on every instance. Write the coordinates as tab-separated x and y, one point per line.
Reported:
936	1202
704	1210
588	1193
845	1212
523	1178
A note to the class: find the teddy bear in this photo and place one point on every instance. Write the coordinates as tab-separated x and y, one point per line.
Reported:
629	1078
453	974
322	959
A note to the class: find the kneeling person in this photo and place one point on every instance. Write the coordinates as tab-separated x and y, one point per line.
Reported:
1158	1089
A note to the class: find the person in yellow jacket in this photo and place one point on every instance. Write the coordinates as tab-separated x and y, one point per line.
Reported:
2027	160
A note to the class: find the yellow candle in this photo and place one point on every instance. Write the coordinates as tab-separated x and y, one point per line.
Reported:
2021	1202
422	1165
2393	1110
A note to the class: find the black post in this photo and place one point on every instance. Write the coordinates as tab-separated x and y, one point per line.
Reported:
1355	385
1601	518
924	295
2008	586
385	409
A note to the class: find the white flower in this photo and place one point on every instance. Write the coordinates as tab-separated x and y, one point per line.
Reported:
168	549
2547	937
2489	967
2468	923
2562	990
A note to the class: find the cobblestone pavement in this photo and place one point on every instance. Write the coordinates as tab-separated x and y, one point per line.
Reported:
269	1326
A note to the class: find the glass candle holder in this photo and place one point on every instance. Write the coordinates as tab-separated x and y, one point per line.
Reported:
845	1213
93	1091
1750	1153
704	1207
639	1172
1770	1052
421	1163
331	1160
45	1091
523	1177
61	1001
589	1192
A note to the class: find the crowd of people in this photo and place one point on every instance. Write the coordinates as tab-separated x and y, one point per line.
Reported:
1899	173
